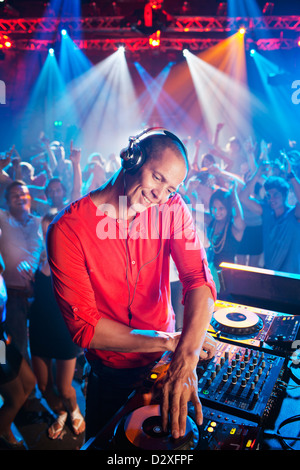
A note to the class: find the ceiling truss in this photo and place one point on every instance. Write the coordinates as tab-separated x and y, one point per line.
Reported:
193	32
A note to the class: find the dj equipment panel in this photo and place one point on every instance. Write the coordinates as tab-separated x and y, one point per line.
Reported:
220	431
257	328
242	381
240	388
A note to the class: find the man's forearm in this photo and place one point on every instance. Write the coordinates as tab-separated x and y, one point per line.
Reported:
113	336
180	385
197	314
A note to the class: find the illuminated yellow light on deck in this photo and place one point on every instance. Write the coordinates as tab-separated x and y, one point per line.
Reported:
153	376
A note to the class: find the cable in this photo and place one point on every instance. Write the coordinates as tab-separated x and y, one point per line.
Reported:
282	438
130	300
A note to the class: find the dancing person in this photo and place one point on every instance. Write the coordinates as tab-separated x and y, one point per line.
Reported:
109	254
21	246
56	192
225	228
17	380
280	220
50	340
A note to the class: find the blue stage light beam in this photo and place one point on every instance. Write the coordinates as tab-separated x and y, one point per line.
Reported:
72	61
43	106
243	8
63	8
281	111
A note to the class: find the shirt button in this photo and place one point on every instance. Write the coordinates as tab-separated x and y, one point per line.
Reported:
133	262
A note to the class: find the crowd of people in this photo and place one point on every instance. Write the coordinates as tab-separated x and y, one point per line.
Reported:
245	203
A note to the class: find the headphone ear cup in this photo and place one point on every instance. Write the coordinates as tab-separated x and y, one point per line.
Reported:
132	158
125	156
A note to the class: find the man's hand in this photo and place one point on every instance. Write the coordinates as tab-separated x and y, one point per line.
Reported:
75	154
25	270
178	387
209	347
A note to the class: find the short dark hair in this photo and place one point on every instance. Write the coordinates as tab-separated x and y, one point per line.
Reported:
209	157
155	144
55	179
225	197
279	183
11	186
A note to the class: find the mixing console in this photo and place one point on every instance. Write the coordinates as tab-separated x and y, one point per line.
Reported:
243	381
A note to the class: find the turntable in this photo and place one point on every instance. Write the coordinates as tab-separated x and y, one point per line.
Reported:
258	328
237	322
142	429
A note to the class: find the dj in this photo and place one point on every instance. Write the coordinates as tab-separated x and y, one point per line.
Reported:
109	254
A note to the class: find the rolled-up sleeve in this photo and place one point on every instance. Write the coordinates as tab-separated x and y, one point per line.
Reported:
189	254
71	284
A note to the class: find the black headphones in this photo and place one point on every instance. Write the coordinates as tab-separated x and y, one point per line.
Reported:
134	155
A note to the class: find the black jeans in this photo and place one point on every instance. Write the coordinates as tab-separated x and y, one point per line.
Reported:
17	312
107	391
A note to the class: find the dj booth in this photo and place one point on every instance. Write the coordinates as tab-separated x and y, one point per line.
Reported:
249	390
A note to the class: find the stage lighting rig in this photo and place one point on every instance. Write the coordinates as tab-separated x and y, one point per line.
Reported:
268	8
5	42
8	11
185	9
150	19
222	9
154	39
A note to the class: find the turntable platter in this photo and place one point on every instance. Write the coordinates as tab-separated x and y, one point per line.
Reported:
236	321
143	429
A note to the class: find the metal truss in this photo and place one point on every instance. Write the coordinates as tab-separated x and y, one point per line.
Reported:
52	25
178	24
142	44
107	33
225	24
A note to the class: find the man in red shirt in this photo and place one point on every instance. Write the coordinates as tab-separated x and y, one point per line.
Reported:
109	254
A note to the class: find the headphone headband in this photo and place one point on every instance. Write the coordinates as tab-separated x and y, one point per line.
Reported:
134	156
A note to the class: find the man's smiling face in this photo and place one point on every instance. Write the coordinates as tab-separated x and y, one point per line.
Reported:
155	181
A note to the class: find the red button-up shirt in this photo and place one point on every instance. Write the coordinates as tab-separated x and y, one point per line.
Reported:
101	267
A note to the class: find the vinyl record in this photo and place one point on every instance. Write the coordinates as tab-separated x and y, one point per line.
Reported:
236	321
143	429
